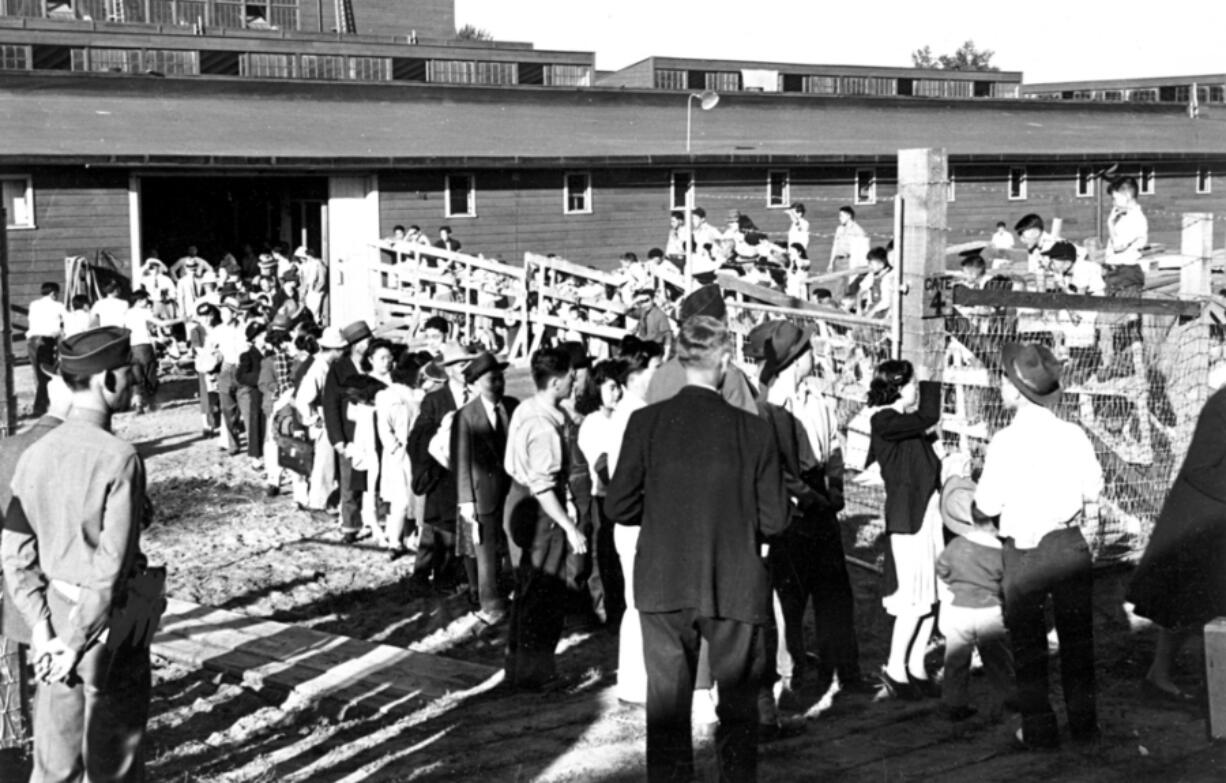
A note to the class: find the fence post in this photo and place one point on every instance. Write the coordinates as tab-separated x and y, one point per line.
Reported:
923	177
1196	245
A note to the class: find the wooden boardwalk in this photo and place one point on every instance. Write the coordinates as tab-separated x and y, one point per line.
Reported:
347	675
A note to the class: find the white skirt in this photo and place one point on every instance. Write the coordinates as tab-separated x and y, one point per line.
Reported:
915	565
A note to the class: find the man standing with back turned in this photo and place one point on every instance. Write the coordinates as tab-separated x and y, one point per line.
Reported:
71	553
703	481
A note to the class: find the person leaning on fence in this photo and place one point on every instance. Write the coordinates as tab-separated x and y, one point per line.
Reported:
1180	583
537	524
970	570
702	481
71	555
1042	479
1032	232
901	441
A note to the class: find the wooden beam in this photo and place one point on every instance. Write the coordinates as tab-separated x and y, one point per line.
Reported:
964	296
923	177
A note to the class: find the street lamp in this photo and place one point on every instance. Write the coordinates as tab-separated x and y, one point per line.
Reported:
707	100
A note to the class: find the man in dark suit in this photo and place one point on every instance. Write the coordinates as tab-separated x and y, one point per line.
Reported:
478	448
340	427
436	482
703	480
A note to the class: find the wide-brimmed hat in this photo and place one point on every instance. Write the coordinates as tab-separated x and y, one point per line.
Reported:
290	275
433	371
356	332
281	322
332	339
230	303
152	263
481	364
301	252
453	353
957	496
755	341
784	345
708	300
1034	370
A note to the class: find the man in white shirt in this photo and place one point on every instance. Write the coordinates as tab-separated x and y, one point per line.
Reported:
705	235
142	323
1042	478
1128	233
112	308
850	243
190	287
1002	239
1035	239
46	326
798	232
674	248
181	266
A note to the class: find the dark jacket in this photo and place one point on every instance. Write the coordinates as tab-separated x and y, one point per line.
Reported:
900	442
477	453
12	624
441	499
335	405
704	481
248	372
803	477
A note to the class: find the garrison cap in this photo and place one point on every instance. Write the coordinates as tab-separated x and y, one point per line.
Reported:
95	351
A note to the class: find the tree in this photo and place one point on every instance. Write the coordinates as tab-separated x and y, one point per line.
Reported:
966	58
473	33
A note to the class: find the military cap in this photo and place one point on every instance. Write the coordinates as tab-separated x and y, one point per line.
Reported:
95	351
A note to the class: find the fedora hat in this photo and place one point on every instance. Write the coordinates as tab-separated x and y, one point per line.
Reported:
957	495
332	339
755	341
433	371
281	322
481	364
784	346
1034	370
708	300
453	353
356	332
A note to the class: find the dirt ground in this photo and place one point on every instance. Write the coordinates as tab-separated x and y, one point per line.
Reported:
227	545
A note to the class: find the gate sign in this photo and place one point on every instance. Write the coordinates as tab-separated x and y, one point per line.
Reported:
938	295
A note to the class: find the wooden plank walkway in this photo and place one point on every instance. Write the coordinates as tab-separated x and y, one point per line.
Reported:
348	675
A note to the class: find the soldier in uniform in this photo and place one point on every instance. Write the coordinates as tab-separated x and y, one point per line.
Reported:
72	560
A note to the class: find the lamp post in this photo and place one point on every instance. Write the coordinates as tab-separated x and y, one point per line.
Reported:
707	100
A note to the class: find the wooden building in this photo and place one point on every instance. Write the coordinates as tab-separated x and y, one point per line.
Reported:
1210	90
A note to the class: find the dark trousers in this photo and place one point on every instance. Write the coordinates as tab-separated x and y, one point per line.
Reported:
670	648
94	730
1059	567
145	371
250	402
606	583
487	563
539	608
42	353
352	484
227	392
808	565
435	556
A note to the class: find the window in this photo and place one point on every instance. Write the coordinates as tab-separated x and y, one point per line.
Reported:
723	81
823	85
14	58
119	60
670	79
1146	180
1017	184
1143	96
461	196
257	65
681	190
370	69
568	76
325	67
18	194
1113	95
471	72
866	186
867	85
1204	181
577	193
778	189
951	187
1085	182
172	62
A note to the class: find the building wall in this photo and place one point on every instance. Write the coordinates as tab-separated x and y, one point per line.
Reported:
430	18
76	212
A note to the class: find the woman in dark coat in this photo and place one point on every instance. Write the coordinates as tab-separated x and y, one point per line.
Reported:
1180	583
902	442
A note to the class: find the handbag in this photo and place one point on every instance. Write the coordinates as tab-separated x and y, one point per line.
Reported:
296	454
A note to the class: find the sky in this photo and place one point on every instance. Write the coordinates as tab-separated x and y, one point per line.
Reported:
1052	40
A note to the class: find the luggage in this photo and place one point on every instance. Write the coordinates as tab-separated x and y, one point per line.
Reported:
296	454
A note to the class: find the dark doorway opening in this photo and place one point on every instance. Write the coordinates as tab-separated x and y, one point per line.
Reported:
236	215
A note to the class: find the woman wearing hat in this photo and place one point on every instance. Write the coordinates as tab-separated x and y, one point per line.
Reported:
901	441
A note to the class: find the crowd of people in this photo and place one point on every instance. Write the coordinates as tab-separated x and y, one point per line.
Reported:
661	490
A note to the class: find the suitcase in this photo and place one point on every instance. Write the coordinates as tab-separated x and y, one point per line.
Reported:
296	455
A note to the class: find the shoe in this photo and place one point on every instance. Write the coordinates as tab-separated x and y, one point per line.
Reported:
396	553
271	491
551	685
490	618
925	687
787	700
349	538
959	713
903	691
857	686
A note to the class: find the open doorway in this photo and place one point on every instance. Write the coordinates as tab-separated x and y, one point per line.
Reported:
231	214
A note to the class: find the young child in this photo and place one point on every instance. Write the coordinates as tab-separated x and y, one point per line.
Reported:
970	571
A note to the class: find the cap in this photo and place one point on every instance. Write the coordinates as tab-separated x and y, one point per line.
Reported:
1061	251
95	351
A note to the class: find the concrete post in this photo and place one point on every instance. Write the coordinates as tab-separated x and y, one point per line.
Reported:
923	180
